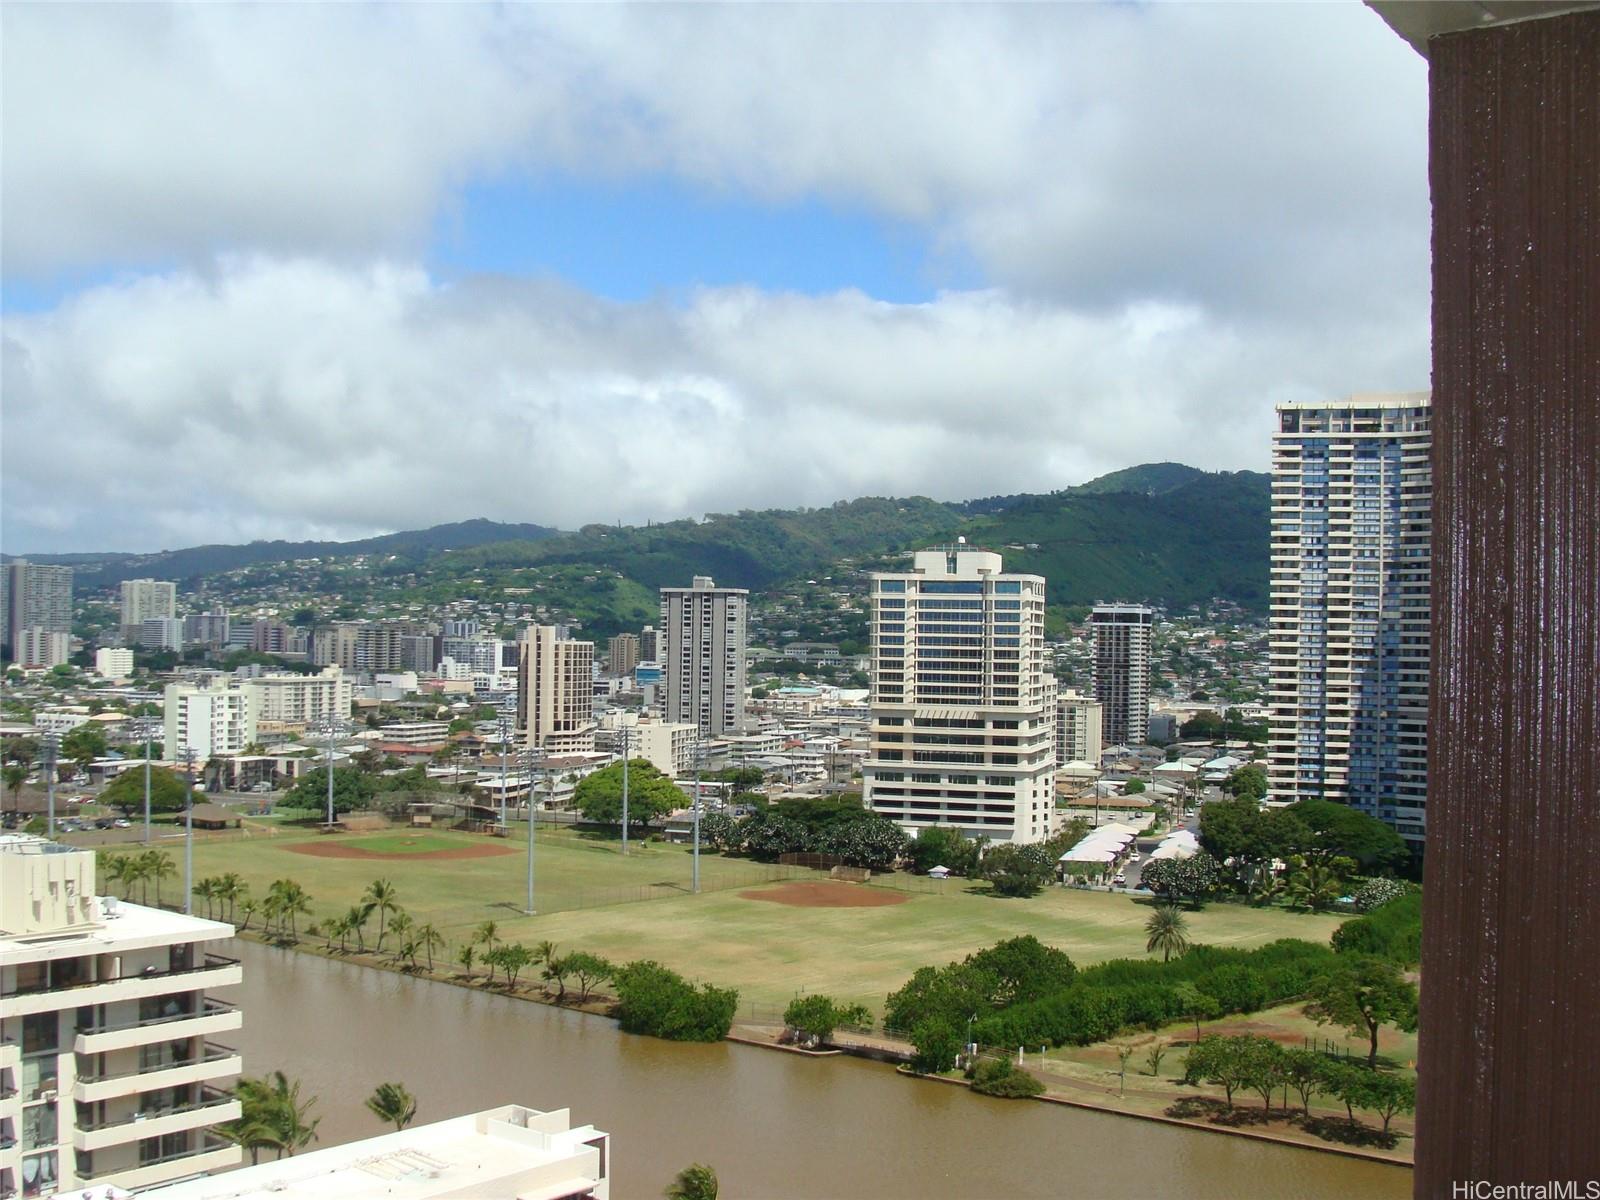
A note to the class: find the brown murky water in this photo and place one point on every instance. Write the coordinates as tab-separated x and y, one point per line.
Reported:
773	1125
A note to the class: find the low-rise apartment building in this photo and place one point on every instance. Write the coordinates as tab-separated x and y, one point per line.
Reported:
109	1074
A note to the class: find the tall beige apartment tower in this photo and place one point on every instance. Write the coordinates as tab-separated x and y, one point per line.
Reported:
143	599
623	653
1352	502
1122	635
35	596
1079	721
555	691
702	641
111	1072
962	703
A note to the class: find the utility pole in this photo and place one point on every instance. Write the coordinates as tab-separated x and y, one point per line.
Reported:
533	809
145	731
697	812
332	726
624	791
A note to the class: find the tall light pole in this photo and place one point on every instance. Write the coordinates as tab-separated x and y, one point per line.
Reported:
50	742
533	808
188	830
505	734
697	812
624	791
147	728
331	726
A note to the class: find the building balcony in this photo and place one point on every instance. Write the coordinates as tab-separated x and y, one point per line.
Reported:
215	1062
214	1154
212	1108
214	1017
214	971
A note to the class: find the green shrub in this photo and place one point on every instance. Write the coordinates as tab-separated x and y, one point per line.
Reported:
1001	1077
661	1003
1392	931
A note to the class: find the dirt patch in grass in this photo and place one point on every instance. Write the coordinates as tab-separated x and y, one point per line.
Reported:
344	850
826	895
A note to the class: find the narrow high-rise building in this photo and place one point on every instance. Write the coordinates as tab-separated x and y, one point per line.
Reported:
962	703
555	691
143	600
111	1073
1079	721
1122	671
703	631
649	645
623	653
36	596
1352	502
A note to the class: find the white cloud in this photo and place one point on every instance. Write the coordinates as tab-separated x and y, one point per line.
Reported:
288	397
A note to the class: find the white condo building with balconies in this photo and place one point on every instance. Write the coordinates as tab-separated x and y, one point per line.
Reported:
1352	518
109	1075
962	702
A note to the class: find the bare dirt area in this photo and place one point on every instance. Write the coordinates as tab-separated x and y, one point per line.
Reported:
338	850
826	895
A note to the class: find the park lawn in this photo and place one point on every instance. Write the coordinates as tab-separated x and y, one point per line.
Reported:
772	952
589	897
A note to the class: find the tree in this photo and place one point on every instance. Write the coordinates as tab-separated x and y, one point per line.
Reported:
1302	1071
719	831
391	1103
815	1017
766	835
1196	1005
1386	1095
1216	1060
1003	1078
466	955
1337	830
273	1117
1168	932
556	972
206	889
1315	883
352	789
155	865
429	939
1375	893
1192	879
383	897
401	926
1134	787
15	775
1362	995
1260	1065
84	744
695	1182
1021	969
288	900
651	795
654	1000
942	846
936	1044
1014	870
125	793
1153	1056
1249	781
875	843
514	959
589	970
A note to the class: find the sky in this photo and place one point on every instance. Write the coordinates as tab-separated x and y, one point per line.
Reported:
330	270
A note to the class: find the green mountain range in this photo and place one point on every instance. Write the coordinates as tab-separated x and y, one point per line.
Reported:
1161	533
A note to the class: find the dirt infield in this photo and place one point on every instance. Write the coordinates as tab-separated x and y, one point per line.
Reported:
826	895
339	850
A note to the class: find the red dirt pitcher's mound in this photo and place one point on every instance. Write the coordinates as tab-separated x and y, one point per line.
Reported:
335	850
827	895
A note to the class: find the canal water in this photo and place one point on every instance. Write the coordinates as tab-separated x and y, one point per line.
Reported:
772	1124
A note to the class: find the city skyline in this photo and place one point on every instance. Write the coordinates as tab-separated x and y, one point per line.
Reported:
774	284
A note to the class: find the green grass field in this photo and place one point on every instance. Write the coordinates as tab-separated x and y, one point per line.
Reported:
769	951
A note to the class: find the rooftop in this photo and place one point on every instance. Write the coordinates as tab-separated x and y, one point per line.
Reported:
508	1152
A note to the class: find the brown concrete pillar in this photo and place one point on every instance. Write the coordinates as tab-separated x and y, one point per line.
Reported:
1510	1053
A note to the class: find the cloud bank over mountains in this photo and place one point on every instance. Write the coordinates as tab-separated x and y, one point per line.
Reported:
1179	216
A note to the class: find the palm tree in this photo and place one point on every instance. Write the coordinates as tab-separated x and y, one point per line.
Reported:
1168	932
544	953
358	916
1312	883
230	890
157	865
273	1117
15	775
430	939
119	868
381	894
695	1182
391	1102
206	889
291	900
486	934
465	957
401	924
249	907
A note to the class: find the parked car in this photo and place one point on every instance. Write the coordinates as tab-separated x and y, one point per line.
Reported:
120	823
